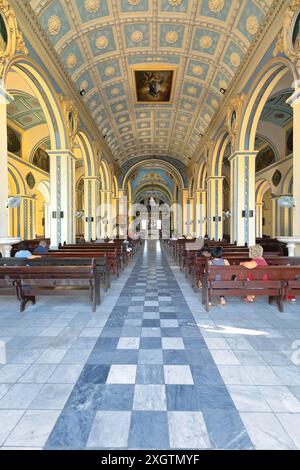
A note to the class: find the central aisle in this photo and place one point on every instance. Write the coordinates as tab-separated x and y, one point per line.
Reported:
150	381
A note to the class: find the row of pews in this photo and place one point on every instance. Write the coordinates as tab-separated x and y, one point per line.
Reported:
73	267
278	281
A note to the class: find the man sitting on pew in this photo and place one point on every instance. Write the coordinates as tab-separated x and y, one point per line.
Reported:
42	249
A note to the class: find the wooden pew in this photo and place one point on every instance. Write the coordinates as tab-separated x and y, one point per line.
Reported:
110	254
233	282
31	281
199	264
103	265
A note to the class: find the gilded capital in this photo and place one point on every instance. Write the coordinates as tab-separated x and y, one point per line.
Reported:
11	38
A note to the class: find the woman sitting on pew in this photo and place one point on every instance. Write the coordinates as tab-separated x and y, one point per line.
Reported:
256	254
217	260
23	251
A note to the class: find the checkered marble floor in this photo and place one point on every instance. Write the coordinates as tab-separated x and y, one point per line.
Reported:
150	369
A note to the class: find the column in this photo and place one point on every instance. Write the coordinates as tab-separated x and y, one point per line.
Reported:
184	210
294	101
259	220
242	180
215	207
200	213
281	219
5	241
105	213
27	217
191	217
47	220
62	207
123	214
91	203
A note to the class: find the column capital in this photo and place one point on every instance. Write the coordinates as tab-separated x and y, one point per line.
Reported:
5	97
200	191
91	178
213	178
61	153
294	100
243	153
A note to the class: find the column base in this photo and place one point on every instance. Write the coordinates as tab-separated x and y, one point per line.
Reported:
6	245
293	244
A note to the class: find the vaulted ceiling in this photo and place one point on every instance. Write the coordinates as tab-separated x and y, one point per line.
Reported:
101	42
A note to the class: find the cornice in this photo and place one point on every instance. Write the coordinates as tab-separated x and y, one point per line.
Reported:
39	41
259	44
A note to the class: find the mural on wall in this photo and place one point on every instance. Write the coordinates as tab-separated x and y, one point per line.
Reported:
30	180
152	177
264	158
13	141
154	86
289	142
41	160
276	178
296	34
3	34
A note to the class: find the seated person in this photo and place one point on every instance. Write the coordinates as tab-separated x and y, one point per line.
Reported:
256	254
217	260
42	249
204	252
23	251
99	240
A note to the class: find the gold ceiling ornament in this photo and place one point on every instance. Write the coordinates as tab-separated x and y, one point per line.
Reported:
122	119
101	42
171	37
11	38
110	71
54	25
207	117
175	3
223	84
137	36
71	61
215	6
93	104
252	25
134	2
192	90
197	70
235	59
214	103
70	115
234	118
205	42
115	91
291	33
119	107
84	85
92	6
187	106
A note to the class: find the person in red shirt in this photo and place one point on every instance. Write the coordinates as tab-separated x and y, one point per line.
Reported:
256	254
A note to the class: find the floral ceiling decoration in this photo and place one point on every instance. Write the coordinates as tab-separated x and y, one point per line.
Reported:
100	43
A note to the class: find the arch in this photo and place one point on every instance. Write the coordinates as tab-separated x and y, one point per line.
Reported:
87	153
219	148
192	186
270	143
115	186
287	182
36	78
157	186
18	180
261	187
202	173
258	95
161	164
105	175
44	188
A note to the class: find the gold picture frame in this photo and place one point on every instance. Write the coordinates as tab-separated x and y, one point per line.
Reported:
153	84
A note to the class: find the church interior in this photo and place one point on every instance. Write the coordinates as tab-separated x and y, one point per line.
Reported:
149	153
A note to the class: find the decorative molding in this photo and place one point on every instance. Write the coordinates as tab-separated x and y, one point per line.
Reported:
70	115
14	42
234	118
289	22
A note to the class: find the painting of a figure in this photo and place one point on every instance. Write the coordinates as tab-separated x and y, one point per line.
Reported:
154	86
3	34
296	34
